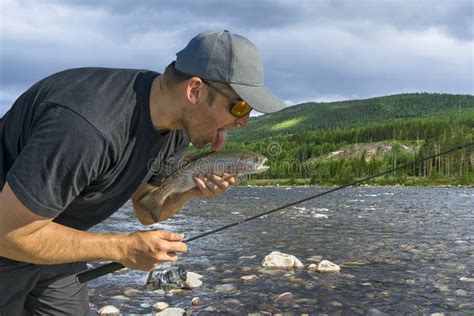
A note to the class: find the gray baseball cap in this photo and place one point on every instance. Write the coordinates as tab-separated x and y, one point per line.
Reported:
229	58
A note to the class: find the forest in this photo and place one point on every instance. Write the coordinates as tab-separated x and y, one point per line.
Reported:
339	142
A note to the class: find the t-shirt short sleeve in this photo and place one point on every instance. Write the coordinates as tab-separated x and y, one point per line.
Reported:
170	164
62	155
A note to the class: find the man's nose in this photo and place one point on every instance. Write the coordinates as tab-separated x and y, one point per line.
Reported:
243	121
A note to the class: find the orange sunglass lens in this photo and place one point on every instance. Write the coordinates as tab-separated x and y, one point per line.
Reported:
240	108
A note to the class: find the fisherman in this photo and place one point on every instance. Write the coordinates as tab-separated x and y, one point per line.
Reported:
80	143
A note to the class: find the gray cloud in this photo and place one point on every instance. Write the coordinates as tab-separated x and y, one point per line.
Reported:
312	50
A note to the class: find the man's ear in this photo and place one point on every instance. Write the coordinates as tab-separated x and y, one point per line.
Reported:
194	90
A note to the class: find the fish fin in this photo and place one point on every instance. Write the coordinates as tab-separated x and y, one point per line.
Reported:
153	201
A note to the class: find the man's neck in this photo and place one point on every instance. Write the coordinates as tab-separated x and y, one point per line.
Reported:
164	106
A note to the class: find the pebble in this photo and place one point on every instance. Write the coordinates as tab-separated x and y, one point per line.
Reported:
131	292
109	310
172	312
464	279
249	277
366	284
226	288
159	306
246	269
460	293
145	305
120	298
313	267
284	298
211	269
278	259
196	301
328	266
437	314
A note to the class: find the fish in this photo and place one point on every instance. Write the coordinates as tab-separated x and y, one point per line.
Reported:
232	162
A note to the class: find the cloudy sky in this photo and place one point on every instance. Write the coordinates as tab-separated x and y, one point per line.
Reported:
312	50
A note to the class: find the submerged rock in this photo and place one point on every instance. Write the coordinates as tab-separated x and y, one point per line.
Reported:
172	312
131	292
196	301
249	277
210	309
376	312
315	258
460	293
108	310
281	260
226	288
248	257
464	279
211	269
120	298
328	266
335	304
284	298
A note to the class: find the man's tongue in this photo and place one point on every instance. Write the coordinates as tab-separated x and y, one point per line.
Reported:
219	139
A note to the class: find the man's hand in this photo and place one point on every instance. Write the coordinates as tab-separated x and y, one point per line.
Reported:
212	185
144	250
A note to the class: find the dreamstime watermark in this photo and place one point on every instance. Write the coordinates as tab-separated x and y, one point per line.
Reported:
274	149
240	164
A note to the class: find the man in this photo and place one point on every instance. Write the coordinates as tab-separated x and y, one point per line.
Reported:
78	144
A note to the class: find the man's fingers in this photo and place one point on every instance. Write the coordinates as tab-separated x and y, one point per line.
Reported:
170	236
223	184
203	187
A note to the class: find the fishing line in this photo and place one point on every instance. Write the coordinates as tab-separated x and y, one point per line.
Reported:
94	273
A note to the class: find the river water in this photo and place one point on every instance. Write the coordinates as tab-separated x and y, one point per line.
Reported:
401	251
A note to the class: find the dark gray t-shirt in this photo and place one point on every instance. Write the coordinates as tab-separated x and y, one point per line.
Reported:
79	143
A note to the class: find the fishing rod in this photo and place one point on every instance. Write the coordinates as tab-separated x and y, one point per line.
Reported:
95	273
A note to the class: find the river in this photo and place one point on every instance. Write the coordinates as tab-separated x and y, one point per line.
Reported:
401	251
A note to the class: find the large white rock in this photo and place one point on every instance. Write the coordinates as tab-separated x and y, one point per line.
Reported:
193	280
328	266
281	260
109	310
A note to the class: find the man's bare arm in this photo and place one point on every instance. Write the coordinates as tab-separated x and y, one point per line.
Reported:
27	237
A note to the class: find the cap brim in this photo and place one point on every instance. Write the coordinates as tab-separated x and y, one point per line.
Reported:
258	98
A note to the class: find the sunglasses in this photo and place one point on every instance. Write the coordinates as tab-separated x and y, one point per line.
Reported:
238	107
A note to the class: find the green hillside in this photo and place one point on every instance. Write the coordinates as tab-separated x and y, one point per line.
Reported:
333	143
356	113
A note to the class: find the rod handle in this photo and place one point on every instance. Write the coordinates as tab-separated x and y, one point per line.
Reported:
92	274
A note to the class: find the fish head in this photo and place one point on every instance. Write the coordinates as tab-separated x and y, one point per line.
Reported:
250	162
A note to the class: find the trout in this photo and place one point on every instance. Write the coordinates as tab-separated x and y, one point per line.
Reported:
234	163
